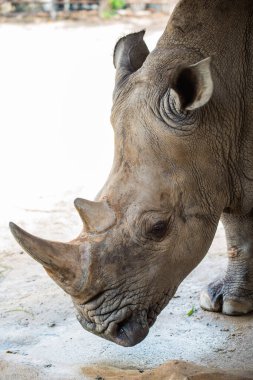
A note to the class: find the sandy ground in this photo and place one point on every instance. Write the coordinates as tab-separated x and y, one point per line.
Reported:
57	144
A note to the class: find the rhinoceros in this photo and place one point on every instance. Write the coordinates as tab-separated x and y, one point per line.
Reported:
183	124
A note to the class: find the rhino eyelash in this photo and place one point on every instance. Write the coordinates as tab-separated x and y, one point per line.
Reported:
158	230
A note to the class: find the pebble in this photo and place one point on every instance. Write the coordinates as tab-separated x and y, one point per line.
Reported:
51	324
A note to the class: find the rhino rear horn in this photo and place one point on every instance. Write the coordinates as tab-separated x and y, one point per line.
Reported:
96	216
66	263
129	54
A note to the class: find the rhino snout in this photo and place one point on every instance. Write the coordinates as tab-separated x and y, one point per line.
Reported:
128	331
131	332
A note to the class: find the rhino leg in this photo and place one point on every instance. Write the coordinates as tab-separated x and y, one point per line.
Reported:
233	293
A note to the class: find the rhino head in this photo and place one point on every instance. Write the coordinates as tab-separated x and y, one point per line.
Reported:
157	214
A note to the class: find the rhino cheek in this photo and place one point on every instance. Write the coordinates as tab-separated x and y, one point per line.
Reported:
192	243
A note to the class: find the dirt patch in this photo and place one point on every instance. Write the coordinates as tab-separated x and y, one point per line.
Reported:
174	370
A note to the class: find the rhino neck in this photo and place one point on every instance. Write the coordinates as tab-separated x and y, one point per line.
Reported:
199	27
191	35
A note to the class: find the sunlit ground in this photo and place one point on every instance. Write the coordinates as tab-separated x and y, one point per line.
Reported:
56	87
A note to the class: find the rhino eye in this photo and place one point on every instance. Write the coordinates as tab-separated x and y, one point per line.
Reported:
158	230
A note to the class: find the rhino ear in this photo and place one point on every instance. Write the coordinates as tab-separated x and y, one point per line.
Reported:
192	86
129	53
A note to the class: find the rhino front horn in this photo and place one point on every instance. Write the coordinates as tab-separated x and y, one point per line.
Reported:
66	263
96	216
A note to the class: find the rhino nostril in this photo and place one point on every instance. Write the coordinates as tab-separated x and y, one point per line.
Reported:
130	331
120	331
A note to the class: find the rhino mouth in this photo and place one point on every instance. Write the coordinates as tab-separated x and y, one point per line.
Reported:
126	325
128	331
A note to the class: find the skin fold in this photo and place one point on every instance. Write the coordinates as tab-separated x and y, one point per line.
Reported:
182	120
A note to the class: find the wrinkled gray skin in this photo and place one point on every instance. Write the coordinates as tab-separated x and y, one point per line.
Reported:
183	122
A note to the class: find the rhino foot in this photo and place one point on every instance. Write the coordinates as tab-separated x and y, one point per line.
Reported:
227	298
233	293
